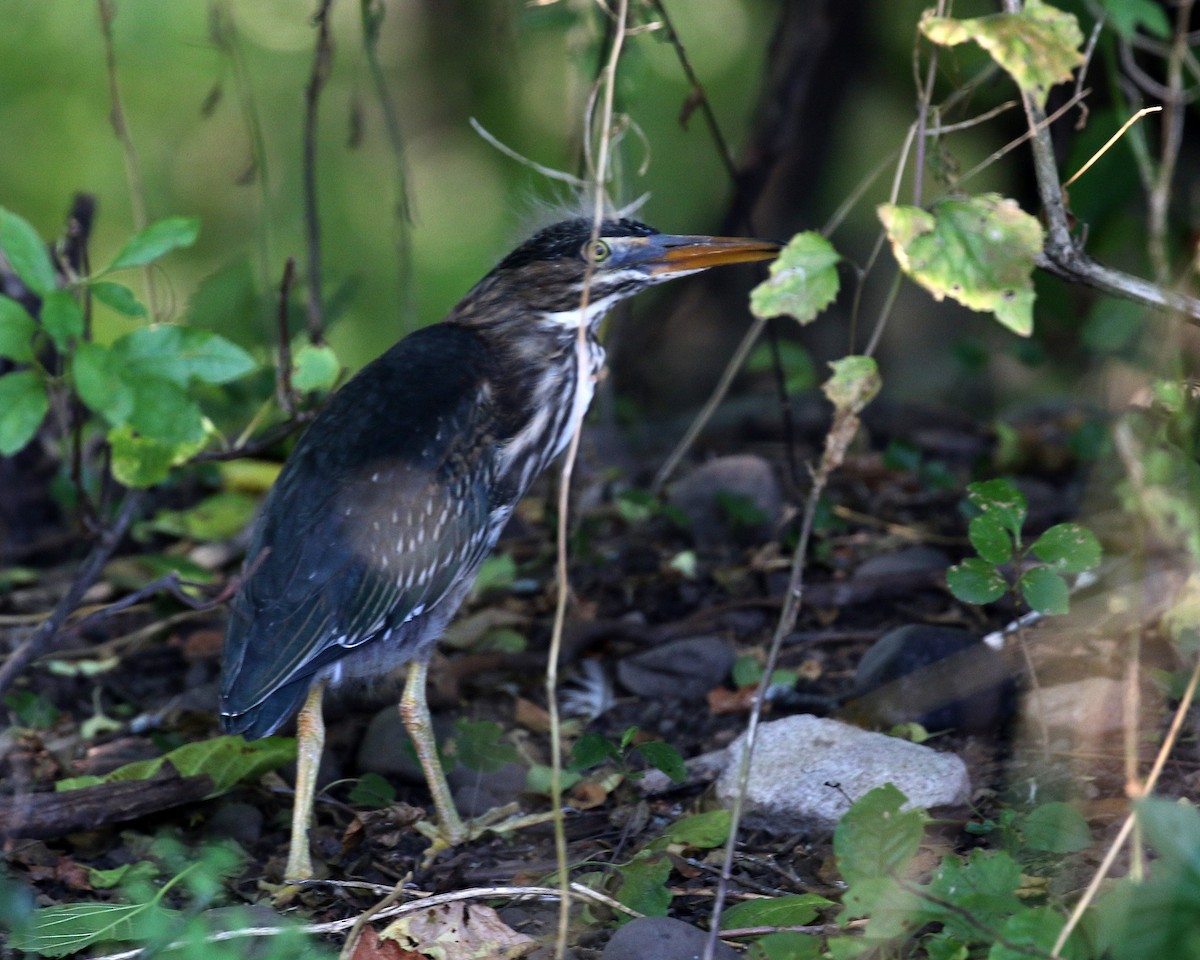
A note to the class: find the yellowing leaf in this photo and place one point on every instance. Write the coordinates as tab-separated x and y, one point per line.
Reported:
458	931
854	383
1039	46
803	280
979	251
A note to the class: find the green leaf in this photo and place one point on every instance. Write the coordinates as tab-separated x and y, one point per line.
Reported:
788	945
139	461
181	354
157	239
1000	499
705	830
496	573
17	328
315	368
26	253
1033	932
481	746
1126	16
1068	547
138	871
227	760
99	382
1173	829
163	411
983	888
118	297
61	318
854	383
63	930
662	756
1045	591
799	371
591	750
643	885
989	538
803	280
1056	828
1038	47
218	517
875	839
33	710
792	910
976	581
372	791
979	251
23	407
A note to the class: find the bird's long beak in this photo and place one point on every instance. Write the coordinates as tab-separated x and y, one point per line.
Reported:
666	254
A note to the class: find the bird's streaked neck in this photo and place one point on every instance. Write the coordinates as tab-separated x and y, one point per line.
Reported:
590	315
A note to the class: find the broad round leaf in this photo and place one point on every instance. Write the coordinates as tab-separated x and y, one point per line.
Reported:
990	539
803	280
17	328
139	461
23	406
875	838
315	368
1056	827
790	910
1068	547
180	354
163	411
1038	47
976	581
978	251
26	253
1045	591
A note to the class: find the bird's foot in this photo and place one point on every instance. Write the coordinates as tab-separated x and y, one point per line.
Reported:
454	831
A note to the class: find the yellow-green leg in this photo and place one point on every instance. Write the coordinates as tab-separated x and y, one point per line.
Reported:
414	711
310	741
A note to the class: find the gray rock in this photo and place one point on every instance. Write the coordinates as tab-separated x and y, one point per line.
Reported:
662	938
237	821
680	670
797	759
477	791
386	750
908	560
746	478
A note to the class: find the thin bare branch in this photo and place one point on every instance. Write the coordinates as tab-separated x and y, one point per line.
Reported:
322	61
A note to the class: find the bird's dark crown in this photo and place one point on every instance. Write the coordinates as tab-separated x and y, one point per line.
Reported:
567	239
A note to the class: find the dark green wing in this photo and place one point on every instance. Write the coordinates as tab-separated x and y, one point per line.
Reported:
380	512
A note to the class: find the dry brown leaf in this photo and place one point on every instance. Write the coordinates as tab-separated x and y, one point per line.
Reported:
531	716
371	946
458	931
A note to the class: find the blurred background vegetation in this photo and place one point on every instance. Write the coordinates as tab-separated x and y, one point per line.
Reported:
214	95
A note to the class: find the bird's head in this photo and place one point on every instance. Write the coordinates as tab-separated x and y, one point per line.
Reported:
546	275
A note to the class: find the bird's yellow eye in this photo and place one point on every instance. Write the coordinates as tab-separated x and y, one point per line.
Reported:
597	251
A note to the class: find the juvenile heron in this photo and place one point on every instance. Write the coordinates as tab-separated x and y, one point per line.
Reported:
370	538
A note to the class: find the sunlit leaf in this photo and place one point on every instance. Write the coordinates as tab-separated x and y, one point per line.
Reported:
705	830
976	581
218	517
803	280
139	461
26	253
157	239
979	251
315	368
23	407
62	318
1045	591
17	328
854	383
1039	47
226	760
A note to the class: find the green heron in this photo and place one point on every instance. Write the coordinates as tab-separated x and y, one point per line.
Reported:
372	535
